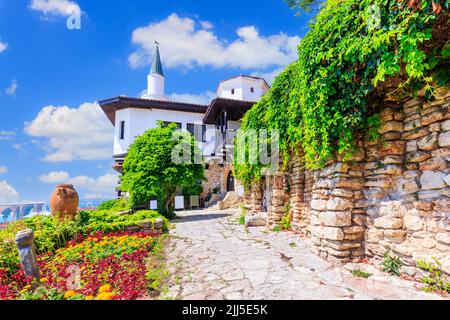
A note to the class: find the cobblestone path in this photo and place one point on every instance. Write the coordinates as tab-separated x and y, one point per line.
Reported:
211	256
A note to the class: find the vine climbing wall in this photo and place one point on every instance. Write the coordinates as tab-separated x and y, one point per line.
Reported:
392	195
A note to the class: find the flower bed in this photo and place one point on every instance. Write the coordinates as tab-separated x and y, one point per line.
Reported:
99	266
100	255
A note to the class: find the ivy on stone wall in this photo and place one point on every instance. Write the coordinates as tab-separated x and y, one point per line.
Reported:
354	52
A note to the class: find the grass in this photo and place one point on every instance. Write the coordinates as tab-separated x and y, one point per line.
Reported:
361	274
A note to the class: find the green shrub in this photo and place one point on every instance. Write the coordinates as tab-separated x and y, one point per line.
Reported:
434	280
286	220
115	205
391	264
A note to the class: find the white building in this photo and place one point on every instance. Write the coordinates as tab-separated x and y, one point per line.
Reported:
131	117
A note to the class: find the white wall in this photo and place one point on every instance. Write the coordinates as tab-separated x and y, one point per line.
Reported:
242	89
137	121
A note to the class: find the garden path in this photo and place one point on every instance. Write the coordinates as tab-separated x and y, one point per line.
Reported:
211	256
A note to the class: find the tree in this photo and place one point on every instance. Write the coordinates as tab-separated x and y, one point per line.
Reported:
152	168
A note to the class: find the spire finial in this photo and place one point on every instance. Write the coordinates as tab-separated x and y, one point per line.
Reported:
156	63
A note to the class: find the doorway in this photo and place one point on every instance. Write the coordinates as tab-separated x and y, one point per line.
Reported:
230	182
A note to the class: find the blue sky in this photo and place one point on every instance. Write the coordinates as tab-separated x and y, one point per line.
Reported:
51	130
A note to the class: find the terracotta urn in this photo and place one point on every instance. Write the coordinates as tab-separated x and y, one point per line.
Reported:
64	202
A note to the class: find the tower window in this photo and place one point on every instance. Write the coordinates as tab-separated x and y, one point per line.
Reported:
252	89
232	91
122	130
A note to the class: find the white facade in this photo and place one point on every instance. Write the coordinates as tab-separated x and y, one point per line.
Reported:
242	88
137	121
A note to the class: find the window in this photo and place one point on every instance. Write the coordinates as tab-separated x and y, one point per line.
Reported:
232	91
122	130
198	131
252	89
166	123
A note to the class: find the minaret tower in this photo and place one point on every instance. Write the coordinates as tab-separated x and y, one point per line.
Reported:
155	78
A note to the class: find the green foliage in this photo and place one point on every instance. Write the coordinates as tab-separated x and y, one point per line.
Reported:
150	173
286	220
243	214
391	264
355	53
115	205
434	280
361	274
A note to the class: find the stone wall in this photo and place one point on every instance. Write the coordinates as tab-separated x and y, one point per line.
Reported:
392	195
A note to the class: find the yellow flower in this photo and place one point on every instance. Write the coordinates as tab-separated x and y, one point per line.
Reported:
44	280
89	298
105	288
69	294
105	296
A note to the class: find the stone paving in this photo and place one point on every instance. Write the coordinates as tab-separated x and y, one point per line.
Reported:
211	256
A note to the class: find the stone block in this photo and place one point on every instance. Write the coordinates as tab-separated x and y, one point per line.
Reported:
392	209
388	223
318	204
432	117
434	164
415	133
391	126
418	156
413	223
446	125
342	193
443	237
393	148
391	169
396	236
328	233
432	180
335	218
444	139
411	146
428	142
375	235
339	204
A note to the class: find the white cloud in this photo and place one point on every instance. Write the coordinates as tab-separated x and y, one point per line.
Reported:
11	90
6	135
3	46
3	170
104	185
202	98
55	177
82	133
63	8
188	43
7	193
268	76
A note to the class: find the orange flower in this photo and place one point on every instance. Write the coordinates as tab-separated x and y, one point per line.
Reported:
89	298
